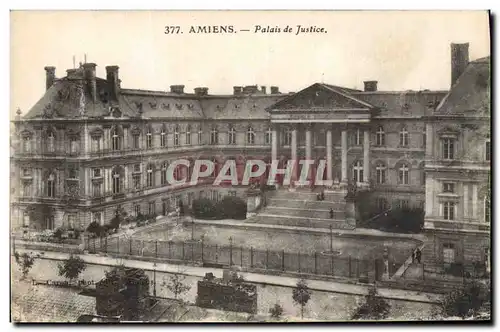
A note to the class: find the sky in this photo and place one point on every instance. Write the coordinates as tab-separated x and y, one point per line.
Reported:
402	50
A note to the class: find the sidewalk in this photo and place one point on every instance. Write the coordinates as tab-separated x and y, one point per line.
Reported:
318	285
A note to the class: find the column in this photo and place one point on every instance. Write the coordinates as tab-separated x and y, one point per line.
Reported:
474	200
366	156
308	148
274	147
466	200
329	169
294	153
344	155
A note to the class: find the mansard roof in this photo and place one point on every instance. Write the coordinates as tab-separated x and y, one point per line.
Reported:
471	94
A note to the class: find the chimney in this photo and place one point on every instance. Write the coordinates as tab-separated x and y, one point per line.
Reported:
89	70
250	89
199	91
50	76
237	90
370	86
263	89
113	80
459	60
275	90
177	89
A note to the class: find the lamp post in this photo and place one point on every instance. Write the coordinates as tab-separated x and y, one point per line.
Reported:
154	279
230	251
331	238
192	229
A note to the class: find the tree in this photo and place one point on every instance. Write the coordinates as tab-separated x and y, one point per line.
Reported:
467	301
72	267
25	262
177	285
95	228
276	311
374	307
301	295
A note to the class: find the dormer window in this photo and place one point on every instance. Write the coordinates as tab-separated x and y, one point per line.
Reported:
448	144
448	187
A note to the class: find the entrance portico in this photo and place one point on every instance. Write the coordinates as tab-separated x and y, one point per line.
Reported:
308	133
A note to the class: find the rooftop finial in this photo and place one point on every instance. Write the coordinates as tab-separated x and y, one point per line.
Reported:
18	112
85	58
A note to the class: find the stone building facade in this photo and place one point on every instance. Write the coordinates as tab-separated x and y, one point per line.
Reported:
89	146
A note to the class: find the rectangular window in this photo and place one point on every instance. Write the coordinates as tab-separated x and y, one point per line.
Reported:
73	145
381	204
96	144
137	210
357	137
27	189
97	217
448	187
448	148
149	141
151	208
71	220
268	137
135	141
26	172
26	219
404	204
163	139
96	189
487	154
190	198
449	210
448	253
26	144
137	181
137	167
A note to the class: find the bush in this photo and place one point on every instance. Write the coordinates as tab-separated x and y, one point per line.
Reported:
72	267
58	233
229	207
276	311
466	301
203	208
399	220
95	229
374	307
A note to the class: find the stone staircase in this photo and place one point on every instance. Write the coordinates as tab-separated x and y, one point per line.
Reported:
300	208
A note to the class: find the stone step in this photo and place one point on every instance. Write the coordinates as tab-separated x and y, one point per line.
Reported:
306	195
301	212
270	219
306	204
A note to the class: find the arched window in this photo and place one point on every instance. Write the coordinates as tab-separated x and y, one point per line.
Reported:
150	176
232	135
214	136
115	139
380	170
380	136
176	136
51	185
403	173
149	138
163	136
163	173
357	171
287	138
51	141
250	136
117	180
188	135
404	139
269	136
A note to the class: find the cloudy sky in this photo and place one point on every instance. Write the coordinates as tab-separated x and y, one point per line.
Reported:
402	50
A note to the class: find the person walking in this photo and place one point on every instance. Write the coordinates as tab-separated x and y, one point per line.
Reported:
419	255
331	213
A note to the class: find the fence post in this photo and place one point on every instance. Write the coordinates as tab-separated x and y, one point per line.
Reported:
106	245
241	257
283	260
156	249
216	254
192	252
357	268
202	246
299	260
88	243
251	257
118	244
94	246
130	246
183	250
315	262
100	243
267	259
331	262
350	275
423	272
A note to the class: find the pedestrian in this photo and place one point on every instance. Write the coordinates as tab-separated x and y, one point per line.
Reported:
322	195
413	256
419	255
331	213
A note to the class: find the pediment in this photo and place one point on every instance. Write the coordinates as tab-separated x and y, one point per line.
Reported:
320	97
